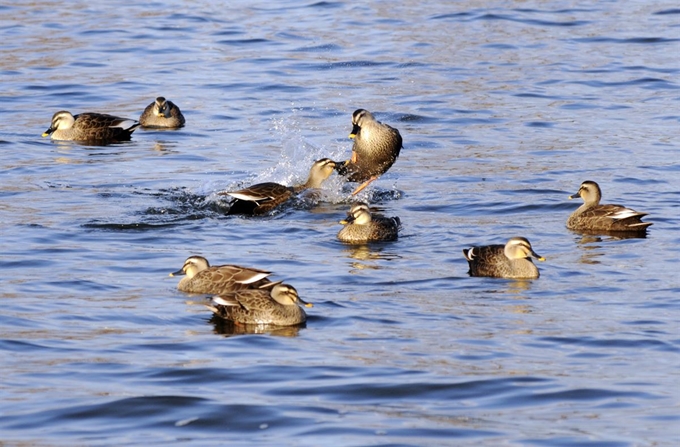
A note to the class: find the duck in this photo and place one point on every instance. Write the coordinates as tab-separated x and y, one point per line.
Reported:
361	227
162	114
203	278
275	304
262	198
591	216
512	260
376	148
90	127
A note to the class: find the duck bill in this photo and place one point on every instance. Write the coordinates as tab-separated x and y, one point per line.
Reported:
537	256
574	196
178	273
305	302
48	132
341	166
355	131
347	220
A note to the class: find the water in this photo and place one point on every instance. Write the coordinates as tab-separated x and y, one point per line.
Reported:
505	108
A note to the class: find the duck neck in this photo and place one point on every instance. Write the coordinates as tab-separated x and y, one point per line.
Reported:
313	181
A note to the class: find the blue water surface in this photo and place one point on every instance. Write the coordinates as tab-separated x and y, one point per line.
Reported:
504	107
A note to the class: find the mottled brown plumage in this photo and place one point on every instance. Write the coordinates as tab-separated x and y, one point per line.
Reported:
376	148
361	227
206	279
264	197
274	304
162	114
593	217
512	260
90	127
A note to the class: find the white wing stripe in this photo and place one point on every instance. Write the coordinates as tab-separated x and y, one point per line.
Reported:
623	214
125	124
245	196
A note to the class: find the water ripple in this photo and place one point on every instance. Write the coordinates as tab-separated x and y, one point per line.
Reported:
632	40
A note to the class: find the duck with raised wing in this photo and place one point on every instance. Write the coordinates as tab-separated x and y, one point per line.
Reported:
512	260
90	127
273	304
203	278
162	114
361	227
593	217
376	148
264	197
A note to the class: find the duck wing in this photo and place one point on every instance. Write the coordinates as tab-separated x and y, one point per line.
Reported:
615	218
259	198
88	121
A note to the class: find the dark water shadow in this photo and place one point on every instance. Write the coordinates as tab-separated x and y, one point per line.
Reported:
229	328
93	144
596	235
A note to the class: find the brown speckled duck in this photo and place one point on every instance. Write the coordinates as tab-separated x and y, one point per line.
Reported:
273	304
593	217
512	260
203	278
162	114
90	127
361	227
264	197
376	148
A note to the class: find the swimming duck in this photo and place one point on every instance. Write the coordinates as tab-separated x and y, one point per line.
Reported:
591	216
512	260
376	148
264	197
360	227
162	113
201	277
273	304
94	127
